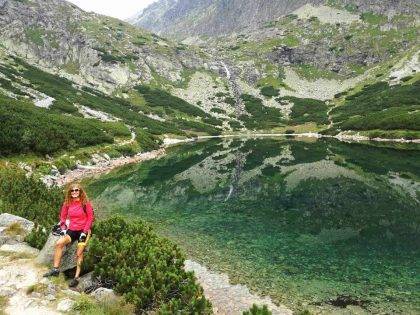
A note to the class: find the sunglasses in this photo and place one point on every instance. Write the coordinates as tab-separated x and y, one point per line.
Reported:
74	190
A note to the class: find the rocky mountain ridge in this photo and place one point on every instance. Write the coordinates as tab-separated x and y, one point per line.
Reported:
189	18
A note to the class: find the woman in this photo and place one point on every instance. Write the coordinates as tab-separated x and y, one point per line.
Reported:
78	210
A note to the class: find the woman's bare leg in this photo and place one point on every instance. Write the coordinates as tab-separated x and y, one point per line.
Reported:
59	246
79	260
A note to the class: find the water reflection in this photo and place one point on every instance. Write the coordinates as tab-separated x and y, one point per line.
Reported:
305	221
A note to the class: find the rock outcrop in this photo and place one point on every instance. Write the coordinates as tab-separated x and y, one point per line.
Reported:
68	261
13	229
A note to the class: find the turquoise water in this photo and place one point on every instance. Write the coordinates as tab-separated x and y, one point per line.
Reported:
318	225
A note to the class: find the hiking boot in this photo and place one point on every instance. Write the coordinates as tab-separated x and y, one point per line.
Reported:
52	273
73	283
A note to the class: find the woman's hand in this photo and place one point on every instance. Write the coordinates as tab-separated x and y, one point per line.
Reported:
82	237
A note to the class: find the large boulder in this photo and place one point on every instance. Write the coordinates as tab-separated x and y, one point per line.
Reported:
7	220
13	229
46	255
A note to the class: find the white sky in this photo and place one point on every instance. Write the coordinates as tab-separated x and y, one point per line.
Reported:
121	9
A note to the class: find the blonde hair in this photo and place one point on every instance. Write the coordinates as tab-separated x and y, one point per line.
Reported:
82	194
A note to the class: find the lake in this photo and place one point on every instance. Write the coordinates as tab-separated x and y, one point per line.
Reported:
316	224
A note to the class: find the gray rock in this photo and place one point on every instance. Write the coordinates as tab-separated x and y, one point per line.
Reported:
7	291
65	305
68	261
55	172
19	248
71	293
7	219
86	281
103	294
15	239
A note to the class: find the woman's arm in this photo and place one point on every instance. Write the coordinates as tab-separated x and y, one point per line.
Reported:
89	220
63	215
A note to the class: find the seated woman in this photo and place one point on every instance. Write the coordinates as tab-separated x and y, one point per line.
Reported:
78	210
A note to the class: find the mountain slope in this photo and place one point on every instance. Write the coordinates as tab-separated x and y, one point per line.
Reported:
91	49
291	74
188	18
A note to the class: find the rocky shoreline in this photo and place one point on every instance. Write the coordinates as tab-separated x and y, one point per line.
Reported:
341	137
102	165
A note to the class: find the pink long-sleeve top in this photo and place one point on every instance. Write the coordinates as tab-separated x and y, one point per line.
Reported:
79	219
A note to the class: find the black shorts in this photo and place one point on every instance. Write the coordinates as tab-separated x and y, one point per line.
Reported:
74	235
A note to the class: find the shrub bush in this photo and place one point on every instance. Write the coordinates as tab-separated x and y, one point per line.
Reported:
25	128
380	106
146	269
269	91
262	117
146	141
256	310
30	199
307	110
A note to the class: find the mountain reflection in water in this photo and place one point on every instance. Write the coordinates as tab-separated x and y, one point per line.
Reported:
310	222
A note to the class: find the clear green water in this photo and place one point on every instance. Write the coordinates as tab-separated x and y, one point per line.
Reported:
305	221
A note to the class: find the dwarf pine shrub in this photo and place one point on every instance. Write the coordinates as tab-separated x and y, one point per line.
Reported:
145	268
30	199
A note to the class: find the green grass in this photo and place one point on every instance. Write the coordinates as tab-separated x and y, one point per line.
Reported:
72	67
3	304
34	34
86	305
313	73
372	18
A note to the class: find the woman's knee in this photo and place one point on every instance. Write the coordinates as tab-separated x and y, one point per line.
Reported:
79	254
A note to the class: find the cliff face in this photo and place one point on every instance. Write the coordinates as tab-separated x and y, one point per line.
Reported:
184	18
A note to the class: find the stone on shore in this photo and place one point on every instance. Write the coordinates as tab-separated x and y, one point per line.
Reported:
68	261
